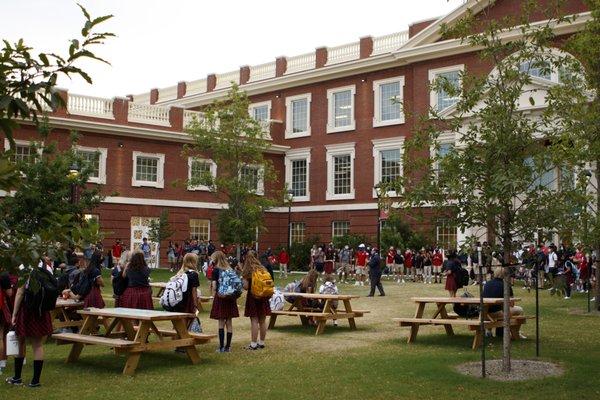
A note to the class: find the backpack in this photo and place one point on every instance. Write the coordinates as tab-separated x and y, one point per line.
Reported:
119	284
262	284
230	284
42	291
292	287
277	300
330	289
66	279
466	310
462	277
173	293
83	286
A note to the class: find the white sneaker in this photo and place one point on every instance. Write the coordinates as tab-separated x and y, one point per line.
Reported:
357	283
403	281
567	297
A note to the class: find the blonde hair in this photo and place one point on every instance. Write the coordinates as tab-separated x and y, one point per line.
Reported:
498	272
330	278
219	260
310	280
190	263
251	264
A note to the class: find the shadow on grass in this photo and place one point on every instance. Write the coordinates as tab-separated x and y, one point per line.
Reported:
298	329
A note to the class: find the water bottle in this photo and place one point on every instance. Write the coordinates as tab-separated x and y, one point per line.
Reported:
12	344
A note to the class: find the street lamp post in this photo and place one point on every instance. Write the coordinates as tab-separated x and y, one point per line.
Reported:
73	175
377	188
481	321
290	198
588	176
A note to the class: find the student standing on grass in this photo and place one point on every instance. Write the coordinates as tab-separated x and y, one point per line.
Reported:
283	260
361	265
257	308
6	294
189	303
451	269
138	293
375	273
224	309
31	323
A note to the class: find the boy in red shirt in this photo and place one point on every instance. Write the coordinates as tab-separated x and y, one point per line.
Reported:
390	264
283	259
361	265
437	260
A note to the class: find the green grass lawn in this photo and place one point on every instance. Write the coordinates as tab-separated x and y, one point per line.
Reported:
373	362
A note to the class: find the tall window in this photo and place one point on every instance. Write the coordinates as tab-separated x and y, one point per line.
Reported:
545	176
297	116
200	229
297	232
340	171
390	165
388	98
446	235
148	169
94	158
299	178
198	168
341	109
387	154
297	173
251	176
440	99
340	228
261	111
23	151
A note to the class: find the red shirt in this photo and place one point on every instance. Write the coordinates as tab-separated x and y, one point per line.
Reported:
390	257
408	259
284	258
361	258
437	260
117	249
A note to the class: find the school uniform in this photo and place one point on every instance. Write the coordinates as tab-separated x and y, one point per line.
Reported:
187	304
5	309
256	307
222	307
32	323
94	297
138	293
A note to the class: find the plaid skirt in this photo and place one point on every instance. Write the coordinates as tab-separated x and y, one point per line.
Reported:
5	316
31	324
94	298
451	283
224	308
256	307
137	297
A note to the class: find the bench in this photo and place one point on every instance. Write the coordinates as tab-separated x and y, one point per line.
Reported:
67	338
201	338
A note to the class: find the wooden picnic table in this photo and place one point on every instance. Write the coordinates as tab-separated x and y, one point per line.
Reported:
63	313
299	308
133	340
160	286
443	318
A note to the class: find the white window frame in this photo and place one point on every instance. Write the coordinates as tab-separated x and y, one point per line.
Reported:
260	190
377	121
260	104
336	150
213	172
331	128
443	138
160	172
433	73
289	133
199	219
294	155
396	143
19	142
333	228
103	153
297	223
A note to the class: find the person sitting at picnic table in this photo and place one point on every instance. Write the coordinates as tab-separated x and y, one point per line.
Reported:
89	284
224	309
494	289
329	287
138	293
257	309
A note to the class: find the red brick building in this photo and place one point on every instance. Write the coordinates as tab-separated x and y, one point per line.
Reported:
335	129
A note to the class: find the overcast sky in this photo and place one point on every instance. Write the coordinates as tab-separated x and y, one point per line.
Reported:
161	42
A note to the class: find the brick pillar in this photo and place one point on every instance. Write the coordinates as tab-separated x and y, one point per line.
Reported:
61	110
176	118
366	46
181	88
320	57
153	96
280	66
211	82
244	74
121	109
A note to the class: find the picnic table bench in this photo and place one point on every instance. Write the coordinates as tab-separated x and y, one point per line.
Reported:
64	312
133	340
160	286
299	309
441	317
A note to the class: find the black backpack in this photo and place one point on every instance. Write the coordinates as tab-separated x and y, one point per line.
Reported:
119	284
466	310
42	291
462	277
83	286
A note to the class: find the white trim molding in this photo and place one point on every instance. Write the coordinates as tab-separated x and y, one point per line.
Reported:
213	172
331	128
377	121
160	170
379	145
39	145
103	155
289	115
433	73
338	150
297	155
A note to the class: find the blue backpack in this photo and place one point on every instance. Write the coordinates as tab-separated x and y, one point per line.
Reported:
230	284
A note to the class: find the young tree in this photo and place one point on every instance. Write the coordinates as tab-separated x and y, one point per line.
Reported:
160	230
574	117
27	85
494	174
237	144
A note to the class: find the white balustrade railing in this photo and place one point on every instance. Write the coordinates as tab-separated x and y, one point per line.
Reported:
143	98
90	106
148	114
263	71
195	87
166	94
224	80
343	53
387	43
190	115
300	63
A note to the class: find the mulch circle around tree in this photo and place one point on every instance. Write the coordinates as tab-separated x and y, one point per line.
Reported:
521	370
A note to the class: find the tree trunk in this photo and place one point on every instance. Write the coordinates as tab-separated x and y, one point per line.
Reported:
506	246
596	236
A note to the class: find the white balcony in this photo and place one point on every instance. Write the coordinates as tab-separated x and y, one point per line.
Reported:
263	71
343	53
148	114
388	43
224	80
90	106
166	94
195	87
300	63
